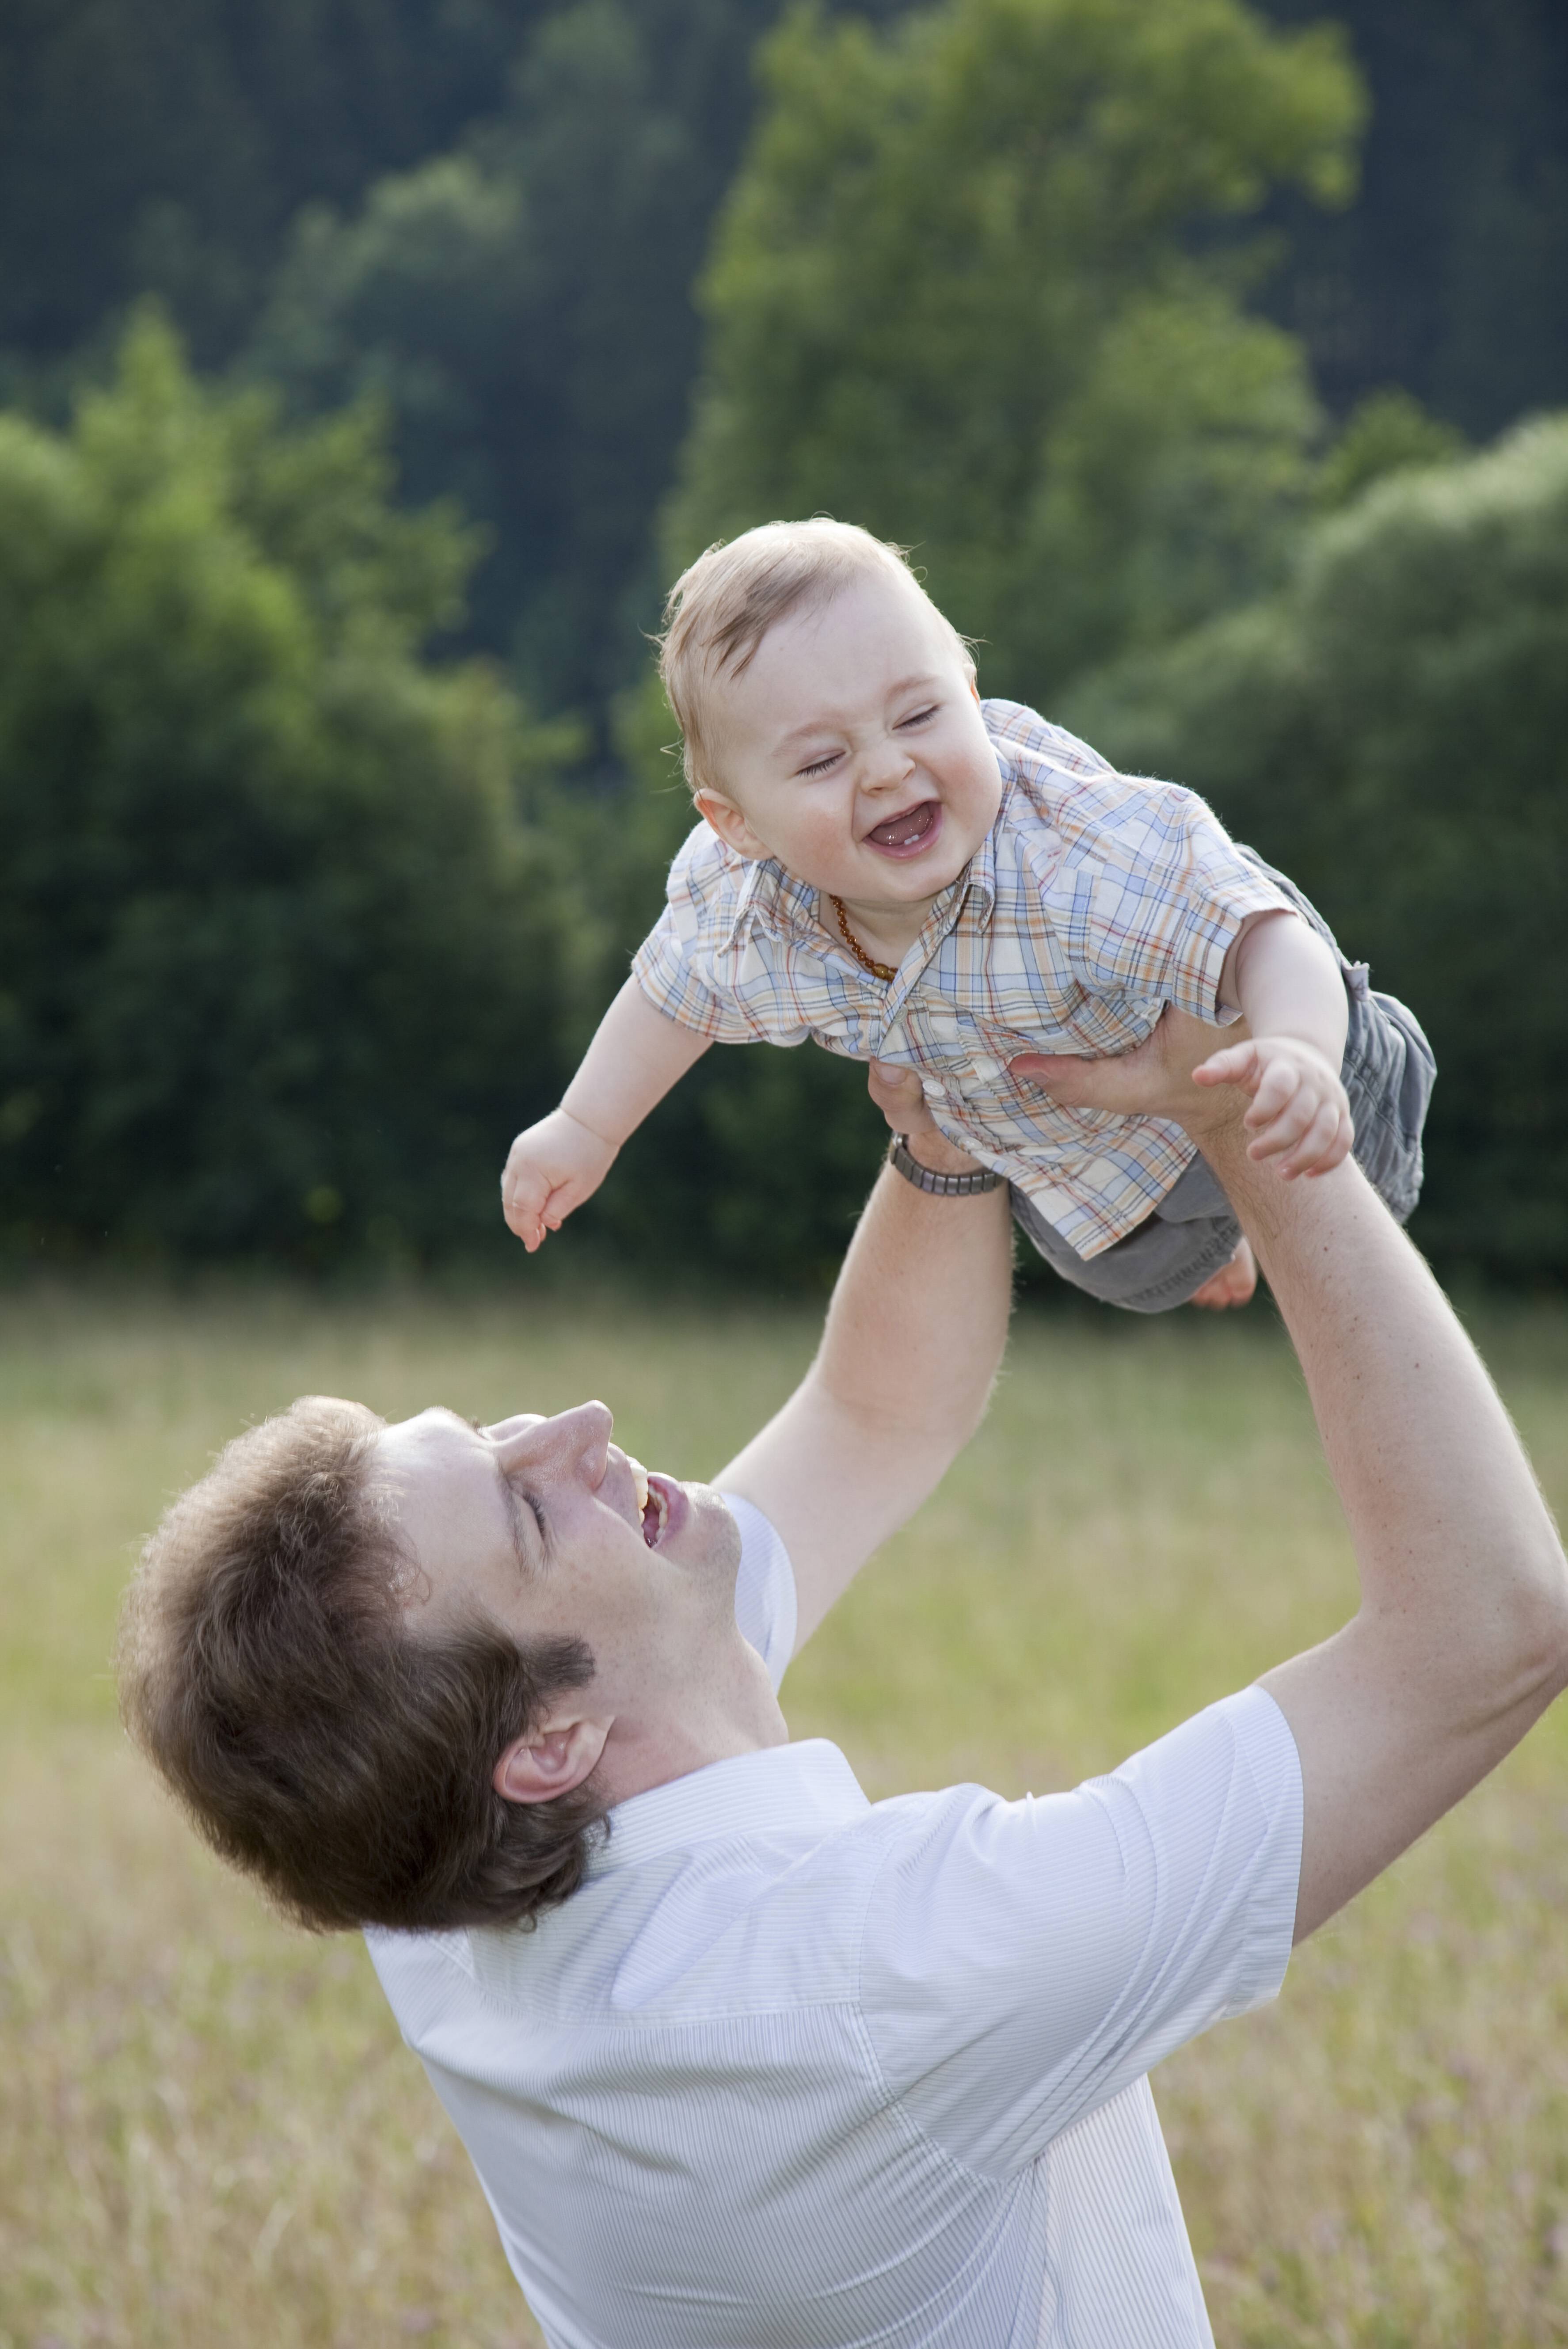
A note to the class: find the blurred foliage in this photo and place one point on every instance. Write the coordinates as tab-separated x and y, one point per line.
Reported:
1448	275
1389	432
958	295
280	962
522	304
583	145
164	149
1392	730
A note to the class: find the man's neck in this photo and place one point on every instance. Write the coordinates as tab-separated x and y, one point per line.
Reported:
740	1716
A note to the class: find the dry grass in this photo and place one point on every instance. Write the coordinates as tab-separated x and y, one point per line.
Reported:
208	2129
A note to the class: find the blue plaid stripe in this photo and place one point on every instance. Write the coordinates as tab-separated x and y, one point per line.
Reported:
1096	899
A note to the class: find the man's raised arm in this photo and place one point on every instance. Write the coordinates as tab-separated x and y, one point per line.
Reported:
1461	1637
913	1336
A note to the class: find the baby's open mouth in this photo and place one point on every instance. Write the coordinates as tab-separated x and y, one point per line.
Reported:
904	831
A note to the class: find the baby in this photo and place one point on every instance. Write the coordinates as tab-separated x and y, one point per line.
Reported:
907	874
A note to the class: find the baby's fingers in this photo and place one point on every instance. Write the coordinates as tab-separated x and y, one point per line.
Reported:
1289	1127
524	1194
1238	1064
1281	1104
1326	1143
527	1223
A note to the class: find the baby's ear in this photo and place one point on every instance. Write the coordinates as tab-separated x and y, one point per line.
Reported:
723	816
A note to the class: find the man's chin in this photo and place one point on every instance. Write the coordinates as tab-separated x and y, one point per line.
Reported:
708	1541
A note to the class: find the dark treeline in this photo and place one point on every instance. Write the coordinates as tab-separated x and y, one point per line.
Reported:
493	214
332	781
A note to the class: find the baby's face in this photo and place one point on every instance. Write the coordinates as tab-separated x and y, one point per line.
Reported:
852	749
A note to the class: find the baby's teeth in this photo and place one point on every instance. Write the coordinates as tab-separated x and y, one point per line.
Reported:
639	1484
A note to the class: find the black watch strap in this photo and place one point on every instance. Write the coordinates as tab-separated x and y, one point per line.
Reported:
940	1186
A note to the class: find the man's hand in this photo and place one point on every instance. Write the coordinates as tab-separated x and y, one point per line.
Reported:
551	1168
1154	1079
1299	1114
897	1093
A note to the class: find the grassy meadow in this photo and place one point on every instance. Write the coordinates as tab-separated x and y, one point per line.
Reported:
209	2129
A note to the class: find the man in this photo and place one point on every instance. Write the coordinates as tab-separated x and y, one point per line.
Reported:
768	2064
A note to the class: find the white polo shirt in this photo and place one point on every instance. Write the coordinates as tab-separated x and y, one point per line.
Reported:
793	2070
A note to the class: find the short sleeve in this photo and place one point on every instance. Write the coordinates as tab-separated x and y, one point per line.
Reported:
670	975
1152	893
765	1605
1023	1961
674	967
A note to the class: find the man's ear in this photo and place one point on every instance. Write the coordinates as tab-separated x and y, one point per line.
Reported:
725	818
551	1761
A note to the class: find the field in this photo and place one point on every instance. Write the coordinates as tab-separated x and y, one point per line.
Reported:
209	2130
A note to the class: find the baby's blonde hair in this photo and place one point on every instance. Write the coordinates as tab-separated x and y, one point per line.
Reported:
723	605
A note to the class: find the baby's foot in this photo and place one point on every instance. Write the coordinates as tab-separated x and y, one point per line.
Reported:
1233	1284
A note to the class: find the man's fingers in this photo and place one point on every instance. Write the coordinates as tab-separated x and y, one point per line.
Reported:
897	1093
1073	1079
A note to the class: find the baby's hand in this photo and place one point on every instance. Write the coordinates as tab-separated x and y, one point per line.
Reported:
550	1169
1299	1113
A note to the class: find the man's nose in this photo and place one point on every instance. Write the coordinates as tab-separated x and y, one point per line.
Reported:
570	1440
584	1435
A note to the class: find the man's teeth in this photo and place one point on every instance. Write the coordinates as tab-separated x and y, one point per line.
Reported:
648	1494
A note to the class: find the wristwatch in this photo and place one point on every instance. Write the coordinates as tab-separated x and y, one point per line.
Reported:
940	1186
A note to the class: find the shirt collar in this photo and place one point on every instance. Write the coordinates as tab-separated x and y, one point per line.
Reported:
807	1784
771	895
774	899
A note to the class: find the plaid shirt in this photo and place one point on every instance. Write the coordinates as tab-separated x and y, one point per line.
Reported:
1094	901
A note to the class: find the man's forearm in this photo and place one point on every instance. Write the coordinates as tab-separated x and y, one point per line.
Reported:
1461	1642
919	1318
913	1336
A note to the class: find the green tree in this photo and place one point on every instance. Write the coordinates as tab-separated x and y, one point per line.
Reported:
522	304
281	967
1449	275
1393	732
165	149
967	289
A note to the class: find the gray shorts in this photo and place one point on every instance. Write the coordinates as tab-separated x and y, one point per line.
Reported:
1387	1071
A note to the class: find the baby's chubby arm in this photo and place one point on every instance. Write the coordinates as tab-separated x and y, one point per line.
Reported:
1289	990
636	1055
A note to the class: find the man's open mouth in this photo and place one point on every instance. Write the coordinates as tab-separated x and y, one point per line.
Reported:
904	831
652	1502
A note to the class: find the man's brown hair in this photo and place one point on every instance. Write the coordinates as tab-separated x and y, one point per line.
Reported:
723	605
315	1741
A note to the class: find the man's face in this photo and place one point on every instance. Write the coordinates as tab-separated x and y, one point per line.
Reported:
852	749
553	1531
